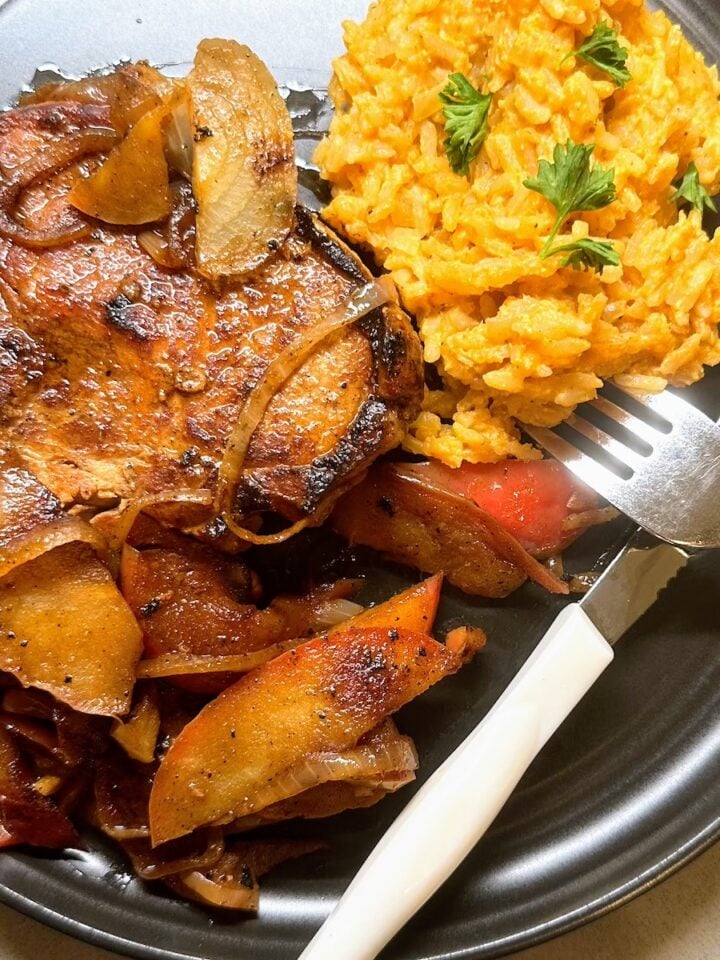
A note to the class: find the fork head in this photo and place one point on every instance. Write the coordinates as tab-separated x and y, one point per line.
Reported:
656	458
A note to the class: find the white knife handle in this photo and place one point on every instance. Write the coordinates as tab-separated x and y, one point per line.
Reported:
450	813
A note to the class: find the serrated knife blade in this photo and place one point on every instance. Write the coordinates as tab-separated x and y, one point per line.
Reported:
631	584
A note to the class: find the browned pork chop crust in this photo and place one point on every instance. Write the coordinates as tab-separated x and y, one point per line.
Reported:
120	378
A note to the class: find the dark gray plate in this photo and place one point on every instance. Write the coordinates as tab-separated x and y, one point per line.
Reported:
625	793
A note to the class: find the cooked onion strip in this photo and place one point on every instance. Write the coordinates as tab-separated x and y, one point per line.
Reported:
233	894
383	753
123	517
355	307
183	664
63	151
46	537
589	518
157	246
338	611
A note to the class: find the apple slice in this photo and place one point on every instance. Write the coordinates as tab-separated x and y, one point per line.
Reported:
413	609
320	697
65	628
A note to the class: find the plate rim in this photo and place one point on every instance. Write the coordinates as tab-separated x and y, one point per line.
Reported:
522	940
530	935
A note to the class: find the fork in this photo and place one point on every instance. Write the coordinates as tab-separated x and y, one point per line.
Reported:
654	457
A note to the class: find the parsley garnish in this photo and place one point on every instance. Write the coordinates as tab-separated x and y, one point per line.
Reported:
602	50
572	185
588	254
690	190
466	121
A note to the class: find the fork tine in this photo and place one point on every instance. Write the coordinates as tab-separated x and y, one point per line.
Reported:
634	424
670	408
615	448
590	471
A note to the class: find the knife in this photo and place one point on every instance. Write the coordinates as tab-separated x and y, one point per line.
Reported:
449	814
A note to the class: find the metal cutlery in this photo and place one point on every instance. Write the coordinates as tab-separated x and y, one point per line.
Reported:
656	458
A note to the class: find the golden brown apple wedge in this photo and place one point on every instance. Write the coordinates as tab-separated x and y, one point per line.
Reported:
413	519
65	628
413	609
323	696
132	186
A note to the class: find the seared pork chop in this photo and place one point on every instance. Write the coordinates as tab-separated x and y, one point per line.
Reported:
121	378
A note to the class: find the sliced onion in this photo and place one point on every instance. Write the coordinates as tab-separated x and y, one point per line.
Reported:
333	612
589	518
355	307
230	894
62	152
382	752
183	664
123	517
198	851
45	537
157	246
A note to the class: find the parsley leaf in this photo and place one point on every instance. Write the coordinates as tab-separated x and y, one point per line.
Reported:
588	254
602	50
466	121
690	190
572	185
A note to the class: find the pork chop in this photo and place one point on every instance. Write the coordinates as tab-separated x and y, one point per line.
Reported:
121	378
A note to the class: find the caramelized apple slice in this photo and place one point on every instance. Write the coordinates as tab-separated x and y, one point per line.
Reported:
415	520
244	175
64	627
132	186
323	696
413	609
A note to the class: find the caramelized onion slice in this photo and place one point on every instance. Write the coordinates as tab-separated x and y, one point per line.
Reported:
32	521
75	142
183	664
199	851
231	883
361	302
116	524
179	139
380	753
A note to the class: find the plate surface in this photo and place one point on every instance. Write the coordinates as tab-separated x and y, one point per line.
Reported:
626	792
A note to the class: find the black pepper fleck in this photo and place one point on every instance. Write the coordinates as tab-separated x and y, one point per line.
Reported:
387	506
202	133
148	609
68	679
